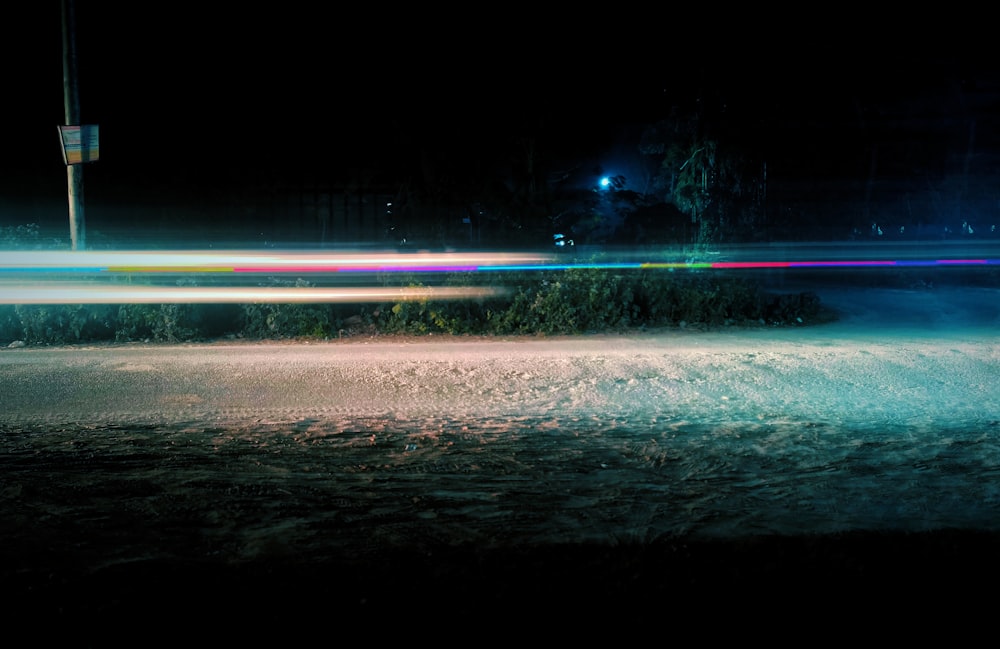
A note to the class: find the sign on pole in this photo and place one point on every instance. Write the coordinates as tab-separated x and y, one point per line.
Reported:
79	143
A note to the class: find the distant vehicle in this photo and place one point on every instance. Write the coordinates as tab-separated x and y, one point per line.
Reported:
562	242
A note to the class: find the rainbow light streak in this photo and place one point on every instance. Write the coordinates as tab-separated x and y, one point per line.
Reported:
133	263
55	273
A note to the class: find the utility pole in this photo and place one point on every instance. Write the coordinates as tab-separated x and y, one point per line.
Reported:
71	100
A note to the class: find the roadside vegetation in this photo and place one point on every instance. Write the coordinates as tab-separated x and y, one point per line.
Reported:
535	303
573	303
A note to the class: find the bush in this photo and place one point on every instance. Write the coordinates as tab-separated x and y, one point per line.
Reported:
455	317
64	323
551	302
279	320
10	324
168	323
587	300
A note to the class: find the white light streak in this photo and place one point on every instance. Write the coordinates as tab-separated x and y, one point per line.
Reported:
42	293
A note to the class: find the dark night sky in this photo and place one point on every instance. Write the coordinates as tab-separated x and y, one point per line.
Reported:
180	90
180	85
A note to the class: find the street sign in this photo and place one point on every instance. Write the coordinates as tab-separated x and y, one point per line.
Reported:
79	143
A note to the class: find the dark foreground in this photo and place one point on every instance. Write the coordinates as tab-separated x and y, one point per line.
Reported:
119	536
847	580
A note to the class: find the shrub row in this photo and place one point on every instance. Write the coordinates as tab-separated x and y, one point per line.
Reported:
572	301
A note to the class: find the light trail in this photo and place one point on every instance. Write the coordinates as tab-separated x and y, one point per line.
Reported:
255	263
125	294
139	263
71	277
854	264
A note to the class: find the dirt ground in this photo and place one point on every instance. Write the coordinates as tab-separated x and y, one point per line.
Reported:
558	513
254	525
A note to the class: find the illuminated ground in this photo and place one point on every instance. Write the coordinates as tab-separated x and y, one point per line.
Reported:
396	480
